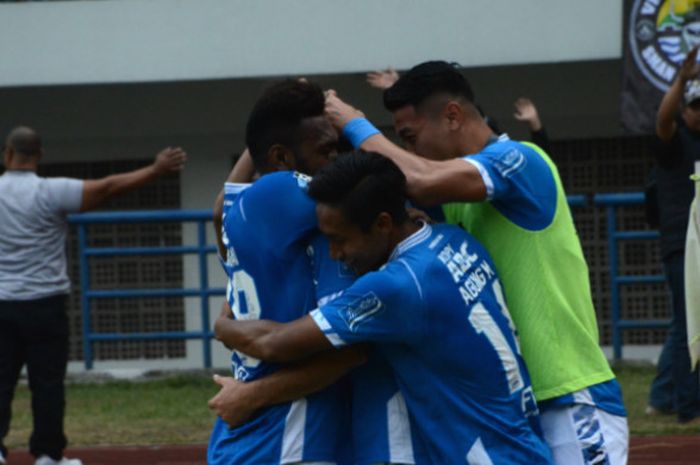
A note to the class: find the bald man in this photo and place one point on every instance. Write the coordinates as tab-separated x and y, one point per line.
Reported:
34	282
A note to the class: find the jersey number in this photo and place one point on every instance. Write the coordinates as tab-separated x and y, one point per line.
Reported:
246	306
483	323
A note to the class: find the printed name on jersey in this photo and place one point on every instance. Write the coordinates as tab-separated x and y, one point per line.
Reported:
361	310
459	264
509	163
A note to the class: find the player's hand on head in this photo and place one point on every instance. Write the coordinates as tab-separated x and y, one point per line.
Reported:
382	79
338	112
690	67
170	160
233	403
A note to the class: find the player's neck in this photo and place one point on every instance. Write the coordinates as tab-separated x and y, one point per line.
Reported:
475	137
404	231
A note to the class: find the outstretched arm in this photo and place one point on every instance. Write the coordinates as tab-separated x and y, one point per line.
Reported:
271	341
98	191
237	401
429	182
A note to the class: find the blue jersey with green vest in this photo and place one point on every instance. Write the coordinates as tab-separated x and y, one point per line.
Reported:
527	227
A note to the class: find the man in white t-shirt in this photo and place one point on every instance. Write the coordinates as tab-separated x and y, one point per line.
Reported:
34	282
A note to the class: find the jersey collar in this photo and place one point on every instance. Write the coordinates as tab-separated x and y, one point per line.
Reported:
411	241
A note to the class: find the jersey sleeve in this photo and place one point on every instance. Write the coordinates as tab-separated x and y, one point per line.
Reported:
64	195
379	308
519	183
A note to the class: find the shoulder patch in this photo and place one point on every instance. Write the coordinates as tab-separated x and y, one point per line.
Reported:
364	308
509	162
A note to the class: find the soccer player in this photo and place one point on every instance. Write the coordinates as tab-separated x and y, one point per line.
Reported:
266	235
509	196
430	299
267	230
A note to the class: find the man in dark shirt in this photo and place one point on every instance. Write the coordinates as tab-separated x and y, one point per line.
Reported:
675	387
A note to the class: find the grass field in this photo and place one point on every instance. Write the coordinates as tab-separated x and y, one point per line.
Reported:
174	411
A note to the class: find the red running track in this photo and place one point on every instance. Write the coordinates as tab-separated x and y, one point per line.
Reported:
656	450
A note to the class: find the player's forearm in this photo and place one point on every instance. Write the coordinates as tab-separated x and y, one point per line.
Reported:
244	169
271	341
244	336
305	378
431	182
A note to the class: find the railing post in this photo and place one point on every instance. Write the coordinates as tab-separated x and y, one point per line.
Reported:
614	288
84	298
203	291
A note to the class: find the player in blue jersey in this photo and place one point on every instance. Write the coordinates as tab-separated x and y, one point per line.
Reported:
430	300
265	232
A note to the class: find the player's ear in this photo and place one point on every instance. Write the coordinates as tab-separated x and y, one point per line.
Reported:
455	114
281	158
384	223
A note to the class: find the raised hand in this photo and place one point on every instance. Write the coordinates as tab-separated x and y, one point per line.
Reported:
526	111
170	160
382	79
338	112
690	67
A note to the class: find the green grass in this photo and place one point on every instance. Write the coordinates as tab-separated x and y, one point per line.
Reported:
635	382
166	411
174	411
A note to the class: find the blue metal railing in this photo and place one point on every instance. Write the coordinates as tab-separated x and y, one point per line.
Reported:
204	292
611	202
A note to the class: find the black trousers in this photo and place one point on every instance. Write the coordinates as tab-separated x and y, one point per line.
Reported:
35	333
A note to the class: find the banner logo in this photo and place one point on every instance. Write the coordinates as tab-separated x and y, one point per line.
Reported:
661	33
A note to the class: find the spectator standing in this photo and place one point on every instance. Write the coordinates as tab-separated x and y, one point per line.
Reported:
34	281
676	387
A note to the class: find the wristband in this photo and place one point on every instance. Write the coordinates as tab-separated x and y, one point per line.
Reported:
359	130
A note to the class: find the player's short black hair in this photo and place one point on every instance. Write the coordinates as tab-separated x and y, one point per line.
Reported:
277	115
425	80
362	185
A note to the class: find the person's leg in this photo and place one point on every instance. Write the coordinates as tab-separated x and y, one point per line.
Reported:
11	361
686	382
662	395
46	330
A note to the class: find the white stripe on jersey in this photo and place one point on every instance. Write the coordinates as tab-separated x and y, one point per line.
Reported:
293	437
477	454
485	176
413	275
399	429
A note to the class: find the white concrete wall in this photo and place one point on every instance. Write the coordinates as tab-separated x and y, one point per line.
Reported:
164	40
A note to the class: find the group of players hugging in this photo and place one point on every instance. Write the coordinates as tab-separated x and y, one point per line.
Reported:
427	304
